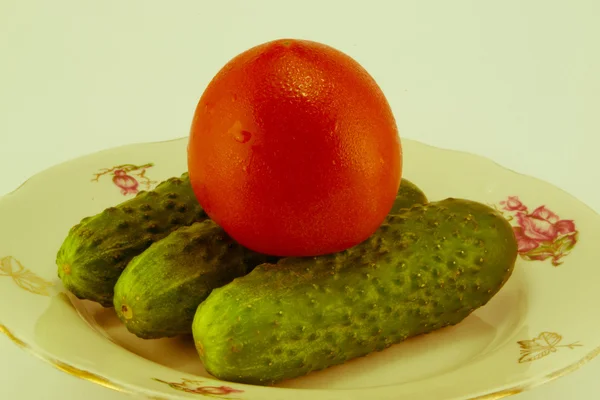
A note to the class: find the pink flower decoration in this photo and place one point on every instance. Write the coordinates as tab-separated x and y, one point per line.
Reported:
543	225
123	179
127	183
524	243
216	390
190	386
536	228
543	213
565	227
541	234
513	204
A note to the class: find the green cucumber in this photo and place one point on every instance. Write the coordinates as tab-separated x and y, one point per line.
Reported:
424	269
95	251
408	195
159	291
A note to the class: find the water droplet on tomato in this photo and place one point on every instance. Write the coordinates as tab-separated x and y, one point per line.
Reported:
238	133
245	168
242	136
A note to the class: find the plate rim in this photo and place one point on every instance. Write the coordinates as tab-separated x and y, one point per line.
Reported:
498	393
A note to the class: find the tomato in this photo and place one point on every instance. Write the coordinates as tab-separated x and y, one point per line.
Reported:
294	150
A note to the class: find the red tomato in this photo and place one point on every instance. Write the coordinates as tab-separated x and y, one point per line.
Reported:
294	150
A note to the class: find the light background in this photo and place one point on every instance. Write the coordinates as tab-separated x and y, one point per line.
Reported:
516	81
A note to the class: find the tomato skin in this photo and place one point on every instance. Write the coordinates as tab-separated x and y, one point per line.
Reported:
294	150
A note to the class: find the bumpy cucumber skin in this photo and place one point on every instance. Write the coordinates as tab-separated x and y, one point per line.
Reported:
424	269
408	195
159	291
95	251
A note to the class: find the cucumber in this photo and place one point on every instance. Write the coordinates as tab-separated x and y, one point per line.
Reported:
424	269
408	195
159	291
95	251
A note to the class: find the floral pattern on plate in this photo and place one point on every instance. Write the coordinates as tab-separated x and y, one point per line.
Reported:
127	177
190	386
541	234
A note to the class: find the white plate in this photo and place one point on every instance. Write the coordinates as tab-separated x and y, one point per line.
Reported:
538	327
